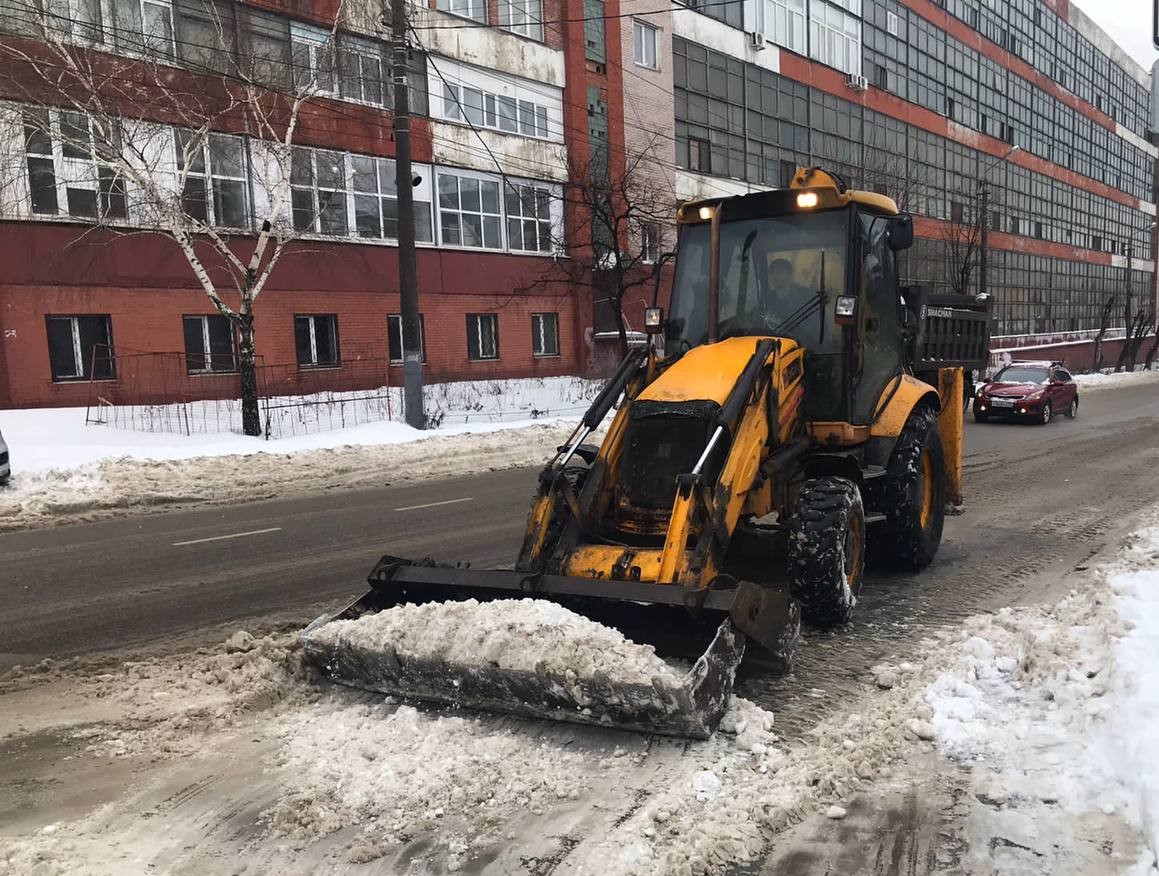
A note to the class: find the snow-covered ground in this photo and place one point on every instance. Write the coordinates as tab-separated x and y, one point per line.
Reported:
64	470
1046	718
1108	379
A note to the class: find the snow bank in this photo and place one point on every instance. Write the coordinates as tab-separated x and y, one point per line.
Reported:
125	485
1059	705
527	635
1110	380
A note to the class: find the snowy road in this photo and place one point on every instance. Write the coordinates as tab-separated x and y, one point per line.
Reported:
222	761
122	582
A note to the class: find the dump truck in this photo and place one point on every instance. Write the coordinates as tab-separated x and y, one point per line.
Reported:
797	413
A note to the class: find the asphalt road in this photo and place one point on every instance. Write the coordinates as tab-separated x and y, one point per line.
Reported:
120	583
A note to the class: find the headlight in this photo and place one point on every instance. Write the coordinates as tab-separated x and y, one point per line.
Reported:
982	393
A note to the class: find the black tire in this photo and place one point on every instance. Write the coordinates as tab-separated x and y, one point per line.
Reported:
981	418
1046	416
912	495
826	554
1073	410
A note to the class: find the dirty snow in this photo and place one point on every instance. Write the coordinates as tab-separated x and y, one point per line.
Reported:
1110	380
527	635
1049	712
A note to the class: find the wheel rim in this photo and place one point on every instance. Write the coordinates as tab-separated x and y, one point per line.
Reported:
1046	413
927	488
1074	407
853	540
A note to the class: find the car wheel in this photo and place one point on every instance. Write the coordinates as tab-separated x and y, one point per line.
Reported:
1073	410
1046	414
980	418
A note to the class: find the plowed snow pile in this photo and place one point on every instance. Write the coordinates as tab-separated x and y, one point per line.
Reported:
516	635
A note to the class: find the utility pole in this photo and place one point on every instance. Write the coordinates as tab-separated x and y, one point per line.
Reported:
983	236
408	284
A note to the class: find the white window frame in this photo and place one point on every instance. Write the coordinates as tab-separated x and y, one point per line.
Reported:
465	94
397	317
460	175
538	346
385	170
476	10
543	195
80	367
316	190
69	171
478	320
784	24
650	237
63	19
320	52
366	51
483	109
211	174
207	350
313	318
646	55
835	35
148	43
524	17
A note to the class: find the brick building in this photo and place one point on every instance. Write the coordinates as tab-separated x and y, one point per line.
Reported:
920	100
501	93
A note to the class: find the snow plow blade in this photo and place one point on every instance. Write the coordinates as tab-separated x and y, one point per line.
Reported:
688	705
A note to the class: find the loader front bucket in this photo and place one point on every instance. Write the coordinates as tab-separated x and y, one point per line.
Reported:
424	665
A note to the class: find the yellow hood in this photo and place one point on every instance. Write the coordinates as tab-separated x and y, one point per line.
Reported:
707	372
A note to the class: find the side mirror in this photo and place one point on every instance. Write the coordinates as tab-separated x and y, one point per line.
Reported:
901	232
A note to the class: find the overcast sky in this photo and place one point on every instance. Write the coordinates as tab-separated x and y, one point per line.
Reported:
1127	21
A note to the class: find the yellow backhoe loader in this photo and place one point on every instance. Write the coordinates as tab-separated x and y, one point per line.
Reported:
796	412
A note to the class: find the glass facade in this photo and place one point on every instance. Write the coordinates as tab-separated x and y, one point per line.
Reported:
739	120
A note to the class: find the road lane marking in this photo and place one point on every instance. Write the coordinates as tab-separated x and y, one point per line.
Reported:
436	504
224	537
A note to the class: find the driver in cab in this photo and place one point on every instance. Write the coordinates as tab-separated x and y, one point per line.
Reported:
783	294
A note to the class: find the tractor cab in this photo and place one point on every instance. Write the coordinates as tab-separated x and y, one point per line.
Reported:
814	263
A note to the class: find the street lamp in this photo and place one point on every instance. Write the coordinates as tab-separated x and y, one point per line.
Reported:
984	204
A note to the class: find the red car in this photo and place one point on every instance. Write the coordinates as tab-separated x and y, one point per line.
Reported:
1028	390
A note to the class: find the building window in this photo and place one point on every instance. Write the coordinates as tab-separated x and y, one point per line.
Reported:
216	187
394	338
81	347
469	211
376	200
72	20
835	37
545	334
699	155
144	26
650	243
482	109
645	44
360	68
316	340
205	35
524	17
66	175
528	217
318	191
209	344
474	9
313	56
594	39
784	23
482	336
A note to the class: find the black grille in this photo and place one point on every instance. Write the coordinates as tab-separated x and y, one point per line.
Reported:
664	440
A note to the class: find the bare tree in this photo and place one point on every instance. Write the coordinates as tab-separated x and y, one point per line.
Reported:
1104	324
616	228
893	175
137	134
961	235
